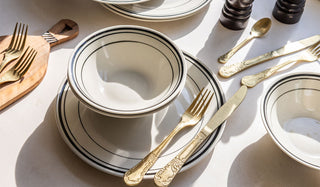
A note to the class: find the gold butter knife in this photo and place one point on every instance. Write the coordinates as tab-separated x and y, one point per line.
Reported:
164	176
229	70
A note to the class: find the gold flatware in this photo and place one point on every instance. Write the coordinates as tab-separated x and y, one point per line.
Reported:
229	70
259	29
20	68
16	45
309	55
189	118
164	176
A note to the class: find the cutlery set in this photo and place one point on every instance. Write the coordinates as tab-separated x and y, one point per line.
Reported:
34	62
230	70
165	176
190	118
17	43
310	55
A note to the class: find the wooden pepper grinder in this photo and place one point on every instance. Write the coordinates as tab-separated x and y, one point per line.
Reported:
288	11
236	13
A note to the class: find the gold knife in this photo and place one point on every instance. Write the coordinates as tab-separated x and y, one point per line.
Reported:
164	176
229	70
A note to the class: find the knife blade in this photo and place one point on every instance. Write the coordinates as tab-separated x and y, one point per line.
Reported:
164	176
229	70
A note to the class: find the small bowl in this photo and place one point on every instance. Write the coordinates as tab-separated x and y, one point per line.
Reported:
126	71
291	115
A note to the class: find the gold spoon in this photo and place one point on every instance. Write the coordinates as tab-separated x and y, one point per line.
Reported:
259	29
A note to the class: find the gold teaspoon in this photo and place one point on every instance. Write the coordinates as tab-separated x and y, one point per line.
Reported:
259	29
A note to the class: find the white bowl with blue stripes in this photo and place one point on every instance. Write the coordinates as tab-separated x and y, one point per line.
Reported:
126	71
290	111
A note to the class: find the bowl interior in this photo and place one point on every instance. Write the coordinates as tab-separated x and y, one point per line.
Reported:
291	111
127	69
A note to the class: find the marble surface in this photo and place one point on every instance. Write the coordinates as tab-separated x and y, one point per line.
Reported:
33	153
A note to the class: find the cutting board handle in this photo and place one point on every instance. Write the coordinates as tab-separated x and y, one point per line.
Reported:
62	31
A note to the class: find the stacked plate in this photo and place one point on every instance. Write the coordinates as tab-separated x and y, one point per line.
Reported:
154	10
126	90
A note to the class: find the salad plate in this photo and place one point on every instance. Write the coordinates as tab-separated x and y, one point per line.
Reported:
161	10
114	145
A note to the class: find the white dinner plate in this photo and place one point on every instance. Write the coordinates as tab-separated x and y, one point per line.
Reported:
158	10
114	145
118	2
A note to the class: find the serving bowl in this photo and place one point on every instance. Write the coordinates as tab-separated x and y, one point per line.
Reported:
291	115
126	71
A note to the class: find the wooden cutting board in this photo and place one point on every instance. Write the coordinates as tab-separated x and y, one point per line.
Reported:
63	31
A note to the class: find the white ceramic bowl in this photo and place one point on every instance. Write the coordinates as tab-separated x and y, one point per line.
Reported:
126	71
291	114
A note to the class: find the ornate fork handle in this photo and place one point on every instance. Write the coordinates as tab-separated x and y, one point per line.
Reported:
253	80
135	174
167	173
229	70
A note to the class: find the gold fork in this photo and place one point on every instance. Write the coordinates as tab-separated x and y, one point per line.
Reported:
309	55
16	45
189	118
20	68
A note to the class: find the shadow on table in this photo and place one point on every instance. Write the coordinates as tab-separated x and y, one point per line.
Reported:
45	160
222	40
264	164
219	42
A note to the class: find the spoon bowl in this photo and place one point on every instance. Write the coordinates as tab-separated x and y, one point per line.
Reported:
260	28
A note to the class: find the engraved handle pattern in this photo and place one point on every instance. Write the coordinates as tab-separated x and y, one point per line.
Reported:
167	173
135	175
253	80
224	58
228	71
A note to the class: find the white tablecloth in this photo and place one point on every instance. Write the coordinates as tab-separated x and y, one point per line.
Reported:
33	153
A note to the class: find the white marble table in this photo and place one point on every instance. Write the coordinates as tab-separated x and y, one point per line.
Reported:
33	153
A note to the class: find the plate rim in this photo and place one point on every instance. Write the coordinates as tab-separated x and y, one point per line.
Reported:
116	9
214	138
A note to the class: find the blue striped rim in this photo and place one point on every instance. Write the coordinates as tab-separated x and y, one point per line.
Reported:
121	30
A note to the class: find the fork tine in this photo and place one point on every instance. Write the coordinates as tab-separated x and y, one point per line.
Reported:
23	60
199	101
318	54
12	39
314	47
317	47
20	36
202	108
25	34
17	65
16	38
28	64
195	100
